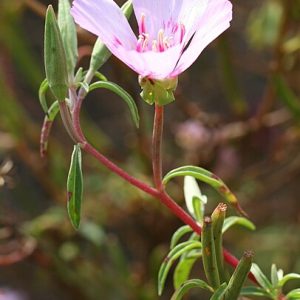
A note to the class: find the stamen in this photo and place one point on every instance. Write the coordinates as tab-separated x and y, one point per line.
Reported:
140	43
160	39
142	25
182	32
175	28
171	34
167	42
146	41
154	46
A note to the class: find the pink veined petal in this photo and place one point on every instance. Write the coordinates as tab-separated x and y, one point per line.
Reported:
188	13
158	13
156	65
154	11
214	21
105	19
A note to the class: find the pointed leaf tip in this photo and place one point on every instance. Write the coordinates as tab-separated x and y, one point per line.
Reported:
75	187
55	57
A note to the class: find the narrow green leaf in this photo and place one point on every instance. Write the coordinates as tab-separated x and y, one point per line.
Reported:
99	57
288	277
218	217
75	187
232	221
193	283
209	254
194	198
293	295
120	92
42	95
183	270
207	177
53	111
219	293
79	76
178	234
261	278
280	274
174	254
69	36
254	291
238	277
55	57
199	209
100	76
47	126
274	275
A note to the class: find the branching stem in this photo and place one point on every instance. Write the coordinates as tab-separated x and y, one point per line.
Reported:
74	129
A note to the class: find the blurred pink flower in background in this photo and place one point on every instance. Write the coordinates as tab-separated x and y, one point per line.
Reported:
172	33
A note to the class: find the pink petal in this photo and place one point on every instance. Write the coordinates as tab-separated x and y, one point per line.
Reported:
159	12
189	13
156	65
214	21
154	11
105	19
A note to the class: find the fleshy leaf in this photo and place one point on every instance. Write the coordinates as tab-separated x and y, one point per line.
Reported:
178	234
219	293
261	278
183	269
293	295
174	254
42	95
120	92
254	291
209	254
218	217
75	187
194	199
209	178
193	283
55	57
274	275
288	277
69	36
232	221
238	277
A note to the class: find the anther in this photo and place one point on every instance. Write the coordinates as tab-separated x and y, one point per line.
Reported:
160	38
182	32
142	25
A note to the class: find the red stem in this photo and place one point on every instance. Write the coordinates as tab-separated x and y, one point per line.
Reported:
156	146
157	192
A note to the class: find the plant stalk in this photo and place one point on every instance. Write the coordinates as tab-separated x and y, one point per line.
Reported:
157	145
157	192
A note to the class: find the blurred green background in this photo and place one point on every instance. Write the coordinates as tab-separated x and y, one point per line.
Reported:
237	113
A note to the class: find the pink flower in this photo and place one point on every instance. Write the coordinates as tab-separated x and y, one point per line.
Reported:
172	33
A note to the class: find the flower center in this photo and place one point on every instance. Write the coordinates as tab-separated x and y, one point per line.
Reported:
171	34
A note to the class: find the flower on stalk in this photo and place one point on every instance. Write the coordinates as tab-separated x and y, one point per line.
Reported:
171	33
